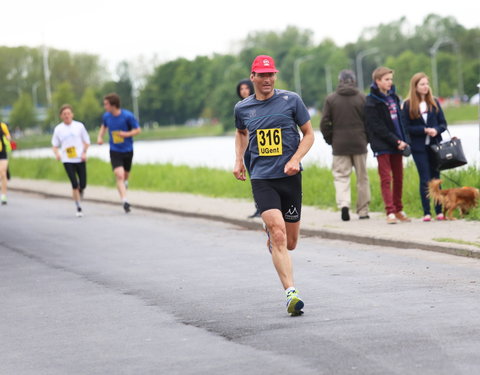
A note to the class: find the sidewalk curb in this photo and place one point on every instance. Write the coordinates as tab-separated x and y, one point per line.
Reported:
254	225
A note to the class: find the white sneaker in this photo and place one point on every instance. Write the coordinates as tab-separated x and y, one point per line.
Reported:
391	219
79	212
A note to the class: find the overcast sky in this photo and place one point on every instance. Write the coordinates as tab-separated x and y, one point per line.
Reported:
122	29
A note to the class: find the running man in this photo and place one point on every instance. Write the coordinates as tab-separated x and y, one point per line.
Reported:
5	139
268	123
70	142
122	127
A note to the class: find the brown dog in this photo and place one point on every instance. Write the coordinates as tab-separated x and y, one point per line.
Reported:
463	198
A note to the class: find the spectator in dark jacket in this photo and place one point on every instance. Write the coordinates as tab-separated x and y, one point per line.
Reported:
244	90
388	139
343	127
425	122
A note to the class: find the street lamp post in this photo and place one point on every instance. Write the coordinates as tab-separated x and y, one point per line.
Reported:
433	52
34	94
358	63
35	98
296	72
328	79
46	74
478	116
134	92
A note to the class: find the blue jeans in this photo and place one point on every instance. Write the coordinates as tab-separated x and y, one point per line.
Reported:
426	172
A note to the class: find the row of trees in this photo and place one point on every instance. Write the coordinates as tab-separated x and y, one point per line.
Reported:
78	79
176	91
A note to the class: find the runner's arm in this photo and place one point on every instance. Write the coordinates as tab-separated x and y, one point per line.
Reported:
101	133
85	148
5	131
241	143
130	133
293	165
56	153
56	144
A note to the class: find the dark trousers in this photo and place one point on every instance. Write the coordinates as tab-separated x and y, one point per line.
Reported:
390	169
77	169
426	172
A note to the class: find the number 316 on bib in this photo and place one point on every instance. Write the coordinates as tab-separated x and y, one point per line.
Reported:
269	142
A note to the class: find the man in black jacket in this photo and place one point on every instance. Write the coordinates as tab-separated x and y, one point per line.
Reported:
388	140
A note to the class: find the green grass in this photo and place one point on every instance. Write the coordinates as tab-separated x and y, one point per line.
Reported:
453	240
162	132
318	188
463	114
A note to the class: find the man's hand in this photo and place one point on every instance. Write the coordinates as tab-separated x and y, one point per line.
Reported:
100	141
84	156
292	167
239	171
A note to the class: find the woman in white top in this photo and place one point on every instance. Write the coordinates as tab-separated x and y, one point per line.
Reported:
70	142
425	122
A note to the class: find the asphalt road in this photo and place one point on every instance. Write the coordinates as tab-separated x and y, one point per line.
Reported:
148	293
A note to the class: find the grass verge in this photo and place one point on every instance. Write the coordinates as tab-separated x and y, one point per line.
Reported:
461	242
318	188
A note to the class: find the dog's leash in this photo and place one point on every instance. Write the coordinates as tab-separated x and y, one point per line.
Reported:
451	179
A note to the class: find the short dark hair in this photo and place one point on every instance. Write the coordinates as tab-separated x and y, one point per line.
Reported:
113	99
64	107
347	76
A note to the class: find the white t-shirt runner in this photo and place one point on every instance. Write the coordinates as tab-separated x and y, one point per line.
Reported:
70	140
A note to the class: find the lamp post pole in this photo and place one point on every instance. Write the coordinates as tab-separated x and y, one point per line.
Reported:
296	73
46	75
478	116
358	63
34	94
328	79
433	53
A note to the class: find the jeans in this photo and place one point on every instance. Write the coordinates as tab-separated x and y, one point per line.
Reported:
390	169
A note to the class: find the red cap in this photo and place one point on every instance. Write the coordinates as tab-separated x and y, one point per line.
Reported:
264	64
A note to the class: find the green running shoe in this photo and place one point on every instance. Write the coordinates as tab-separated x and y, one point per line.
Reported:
294	303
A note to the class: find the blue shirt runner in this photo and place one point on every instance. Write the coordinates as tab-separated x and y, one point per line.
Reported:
125	121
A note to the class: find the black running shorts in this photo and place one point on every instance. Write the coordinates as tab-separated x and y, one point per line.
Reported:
121	159
77	169
284	194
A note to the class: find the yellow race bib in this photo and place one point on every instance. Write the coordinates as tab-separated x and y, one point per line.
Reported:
269	142
71	152
116	137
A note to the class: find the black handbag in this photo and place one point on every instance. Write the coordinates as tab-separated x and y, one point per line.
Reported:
449	154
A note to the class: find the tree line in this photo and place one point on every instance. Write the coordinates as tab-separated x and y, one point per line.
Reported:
180	90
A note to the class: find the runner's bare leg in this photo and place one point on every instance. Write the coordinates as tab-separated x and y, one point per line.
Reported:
278	238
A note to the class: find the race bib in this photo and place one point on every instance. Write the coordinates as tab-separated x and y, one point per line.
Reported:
269	142
71	152
116	137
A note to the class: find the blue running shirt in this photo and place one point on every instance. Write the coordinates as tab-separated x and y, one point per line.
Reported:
273	132
125	121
